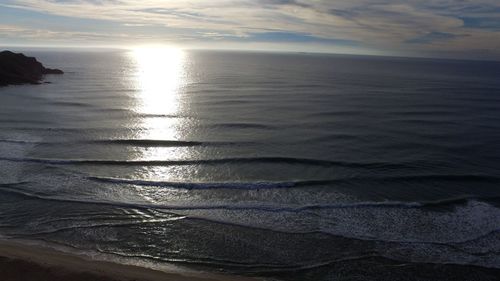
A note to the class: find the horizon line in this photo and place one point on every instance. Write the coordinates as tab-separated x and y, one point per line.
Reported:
273	51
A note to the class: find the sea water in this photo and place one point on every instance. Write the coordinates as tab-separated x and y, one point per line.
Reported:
256	163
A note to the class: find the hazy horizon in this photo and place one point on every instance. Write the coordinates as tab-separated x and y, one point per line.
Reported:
167	48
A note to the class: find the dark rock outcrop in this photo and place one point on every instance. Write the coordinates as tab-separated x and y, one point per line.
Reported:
18	69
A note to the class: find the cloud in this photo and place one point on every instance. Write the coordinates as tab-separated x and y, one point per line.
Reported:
32	33
488	23
21	33
398	27
432	37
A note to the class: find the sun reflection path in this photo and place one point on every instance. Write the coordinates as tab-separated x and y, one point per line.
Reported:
160	77
160	74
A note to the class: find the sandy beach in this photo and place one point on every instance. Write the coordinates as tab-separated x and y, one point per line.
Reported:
19	262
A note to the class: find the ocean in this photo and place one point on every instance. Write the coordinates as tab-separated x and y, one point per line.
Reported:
281	166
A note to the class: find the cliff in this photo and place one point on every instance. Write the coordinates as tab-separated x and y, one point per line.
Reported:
18	69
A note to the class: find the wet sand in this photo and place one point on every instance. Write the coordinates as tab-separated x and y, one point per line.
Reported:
22	262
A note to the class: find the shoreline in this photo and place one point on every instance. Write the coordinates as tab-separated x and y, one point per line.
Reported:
23	261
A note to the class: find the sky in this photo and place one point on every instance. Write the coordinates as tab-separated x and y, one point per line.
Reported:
467	29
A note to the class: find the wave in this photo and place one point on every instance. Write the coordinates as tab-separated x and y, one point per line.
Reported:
446	177
167	116
422	112
242	126
370	256
111	109
31	122
249	266
133	142
65	129
12	184
200	185
18	141
236	160
185	212
258	267
163	143
336	113
72	103
333	137
256	207
295	183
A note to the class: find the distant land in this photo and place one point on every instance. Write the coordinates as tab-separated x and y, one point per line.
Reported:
16	69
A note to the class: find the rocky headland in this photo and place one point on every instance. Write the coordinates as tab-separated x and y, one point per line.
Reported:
16	69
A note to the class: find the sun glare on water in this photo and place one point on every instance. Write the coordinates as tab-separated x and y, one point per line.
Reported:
160	74
159	78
